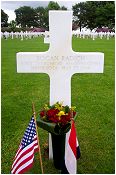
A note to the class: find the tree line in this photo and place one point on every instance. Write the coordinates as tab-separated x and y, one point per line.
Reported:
90	14
95	14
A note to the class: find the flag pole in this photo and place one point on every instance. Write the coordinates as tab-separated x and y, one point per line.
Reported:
40	157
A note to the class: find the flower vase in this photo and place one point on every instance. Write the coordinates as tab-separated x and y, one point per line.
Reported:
58	145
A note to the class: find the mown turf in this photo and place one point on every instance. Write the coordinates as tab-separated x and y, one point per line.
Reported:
93	94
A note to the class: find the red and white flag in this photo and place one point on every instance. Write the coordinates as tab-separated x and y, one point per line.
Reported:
72	152
25	155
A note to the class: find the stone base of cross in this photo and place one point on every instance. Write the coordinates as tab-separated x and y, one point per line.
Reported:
60	62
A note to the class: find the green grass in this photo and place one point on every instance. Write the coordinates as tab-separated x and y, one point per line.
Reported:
93	94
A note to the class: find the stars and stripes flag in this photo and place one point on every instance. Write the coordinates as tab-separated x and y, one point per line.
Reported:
25	155
72	151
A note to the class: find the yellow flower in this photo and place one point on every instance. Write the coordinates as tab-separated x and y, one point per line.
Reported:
46	107
73	108
61	113
44	117
58	106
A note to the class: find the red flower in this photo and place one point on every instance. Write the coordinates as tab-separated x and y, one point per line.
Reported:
51	114
74	113
42	113
64	119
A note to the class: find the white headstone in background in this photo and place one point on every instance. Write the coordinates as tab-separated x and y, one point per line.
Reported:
46	37
108	35
21	34
60	62
101	35
6	35
12	35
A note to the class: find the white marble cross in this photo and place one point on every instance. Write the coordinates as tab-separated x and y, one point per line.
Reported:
60	62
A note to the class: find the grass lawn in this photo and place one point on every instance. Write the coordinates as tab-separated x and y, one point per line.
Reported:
93	94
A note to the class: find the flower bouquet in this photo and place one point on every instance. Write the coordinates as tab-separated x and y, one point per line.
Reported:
56	119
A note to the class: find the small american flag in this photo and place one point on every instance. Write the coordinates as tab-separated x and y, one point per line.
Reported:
25	155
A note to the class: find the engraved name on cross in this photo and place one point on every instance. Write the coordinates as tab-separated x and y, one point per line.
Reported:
60	62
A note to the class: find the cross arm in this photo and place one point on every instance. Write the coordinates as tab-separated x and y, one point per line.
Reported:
87	62
33	62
